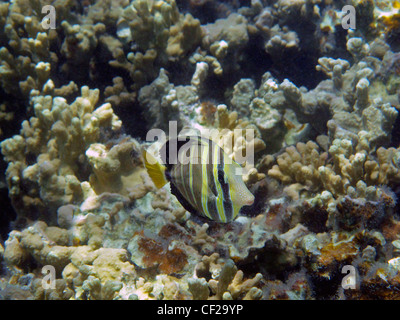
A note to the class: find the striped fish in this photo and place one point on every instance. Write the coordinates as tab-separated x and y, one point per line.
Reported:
202	177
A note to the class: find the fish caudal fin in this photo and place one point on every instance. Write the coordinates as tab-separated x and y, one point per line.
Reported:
155	170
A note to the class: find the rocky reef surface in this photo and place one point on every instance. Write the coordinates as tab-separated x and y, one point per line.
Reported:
80	217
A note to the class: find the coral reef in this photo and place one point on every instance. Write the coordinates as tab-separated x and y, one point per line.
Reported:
308	108
351	170
49	159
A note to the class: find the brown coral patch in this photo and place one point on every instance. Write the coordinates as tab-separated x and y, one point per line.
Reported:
354	215
391	230
314	218
173	231
152	249
337	252
208	111
296	286
168	261
173	261
274	219
379	287
277	290
388	200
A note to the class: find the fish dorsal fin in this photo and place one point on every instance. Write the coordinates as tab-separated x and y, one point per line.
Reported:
155	170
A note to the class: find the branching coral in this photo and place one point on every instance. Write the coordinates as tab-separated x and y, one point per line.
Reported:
352	169
21	74
78	47
299	164
349	102
26	58
157	97
222	39
227	282
46	162
159	32
341	186
110	165
118	95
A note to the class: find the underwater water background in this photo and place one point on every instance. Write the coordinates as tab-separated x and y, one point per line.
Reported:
309	89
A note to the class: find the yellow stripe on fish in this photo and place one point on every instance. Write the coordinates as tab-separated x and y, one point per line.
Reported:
204	182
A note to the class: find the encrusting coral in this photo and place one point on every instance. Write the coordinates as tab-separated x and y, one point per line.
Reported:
89	272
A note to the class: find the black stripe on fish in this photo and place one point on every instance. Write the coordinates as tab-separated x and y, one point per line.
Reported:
228	207
212	207
210	168
169	151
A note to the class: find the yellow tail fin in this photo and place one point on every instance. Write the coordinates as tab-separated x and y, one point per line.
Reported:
154	169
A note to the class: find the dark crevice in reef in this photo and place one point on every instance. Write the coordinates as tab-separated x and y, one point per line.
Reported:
8	128
257	60
298	68
324	288
206	13
178	73
7	213
254	61
395	141
135	123
301	70
314	219
209	11
393	39
19	109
